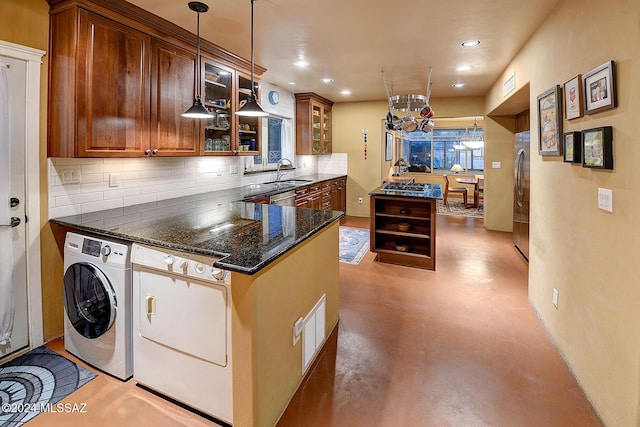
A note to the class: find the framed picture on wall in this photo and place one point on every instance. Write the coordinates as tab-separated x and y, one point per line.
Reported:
599	89
388	147
550	122
597	148
572	147
573	107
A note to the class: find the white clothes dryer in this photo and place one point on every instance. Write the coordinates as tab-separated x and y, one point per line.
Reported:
97	303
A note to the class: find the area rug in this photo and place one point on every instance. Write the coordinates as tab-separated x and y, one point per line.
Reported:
456	208
35	382
354	243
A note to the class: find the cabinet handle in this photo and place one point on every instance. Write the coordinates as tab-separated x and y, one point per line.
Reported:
151	305
147	152
155	151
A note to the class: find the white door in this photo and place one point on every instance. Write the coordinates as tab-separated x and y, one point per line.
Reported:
14	308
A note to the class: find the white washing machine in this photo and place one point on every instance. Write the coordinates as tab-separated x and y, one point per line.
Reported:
97	303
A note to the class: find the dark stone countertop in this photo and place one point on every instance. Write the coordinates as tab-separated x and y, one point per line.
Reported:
433	191
244	236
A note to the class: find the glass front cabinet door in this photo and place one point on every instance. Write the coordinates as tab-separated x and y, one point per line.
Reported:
218	99
248	135
225	133
313	124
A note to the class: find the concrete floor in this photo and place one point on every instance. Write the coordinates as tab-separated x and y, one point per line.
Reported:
457	347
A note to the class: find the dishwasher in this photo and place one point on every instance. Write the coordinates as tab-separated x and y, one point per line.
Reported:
288	198
181	323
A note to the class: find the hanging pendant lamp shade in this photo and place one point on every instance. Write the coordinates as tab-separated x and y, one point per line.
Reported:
197	110
252	108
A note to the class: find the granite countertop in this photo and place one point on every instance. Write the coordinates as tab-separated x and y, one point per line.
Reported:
242	236
433	191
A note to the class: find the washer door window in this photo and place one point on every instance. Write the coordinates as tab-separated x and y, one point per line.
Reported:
89	300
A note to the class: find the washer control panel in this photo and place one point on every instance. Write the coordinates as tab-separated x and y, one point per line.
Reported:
105	252
179	263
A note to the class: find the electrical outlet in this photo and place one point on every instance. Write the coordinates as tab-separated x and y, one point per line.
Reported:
70	176
297	330
113	180
219	172
359	200
496	165
233	170
555	298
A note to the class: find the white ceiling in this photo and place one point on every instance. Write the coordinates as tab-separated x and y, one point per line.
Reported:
352	41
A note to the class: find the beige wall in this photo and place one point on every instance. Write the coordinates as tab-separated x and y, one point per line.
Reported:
584	252
26	22
267	367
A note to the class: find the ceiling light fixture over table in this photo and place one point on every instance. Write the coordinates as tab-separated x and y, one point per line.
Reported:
474	142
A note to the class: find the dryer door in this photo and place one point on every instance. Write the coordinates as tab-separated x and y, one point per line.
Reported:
89	300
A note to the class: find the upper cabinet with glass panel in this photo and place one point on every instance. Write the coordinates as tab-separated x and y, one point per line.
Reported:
248	128
218	99
313	124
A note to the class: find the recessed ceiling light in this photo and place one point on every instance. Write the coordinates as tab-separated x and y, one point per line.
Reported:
301	63
464	68
292	83
471	43
459	85
326	80
345	92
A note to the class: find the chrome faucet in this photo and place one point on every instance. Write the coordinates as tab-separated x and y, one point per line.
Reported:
279	173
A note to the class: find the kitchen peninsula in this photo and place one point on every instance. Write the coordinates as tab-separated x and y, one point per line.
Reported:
276	278
403	223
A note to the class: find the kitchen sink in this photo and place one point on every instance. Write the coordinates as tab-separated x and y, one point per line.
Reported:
290	181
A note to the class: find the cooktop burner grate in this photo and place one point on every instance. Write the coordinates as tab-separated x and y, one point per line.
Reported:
406	187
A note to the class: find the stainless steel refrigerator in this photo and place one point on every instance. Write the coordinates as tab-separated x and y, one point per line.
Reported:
521	195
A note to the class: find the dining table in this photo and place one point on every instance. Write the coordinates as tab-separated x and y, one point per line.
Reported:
476	188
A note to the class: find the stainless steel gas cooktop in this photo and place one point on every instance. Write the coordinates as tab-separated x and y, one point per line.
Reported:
406	187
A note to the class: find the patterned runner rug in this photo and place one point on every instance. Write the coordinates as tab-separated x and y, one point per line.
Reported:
354	243
35	382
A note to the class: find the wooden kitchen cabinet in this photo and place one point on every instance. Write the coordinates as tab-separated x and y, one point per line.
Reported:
173	89
415	247
99	95
120	79
313	124
325	195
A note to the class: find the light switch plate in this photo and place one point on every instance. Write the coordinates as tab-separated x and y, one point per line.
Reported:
70	176
496	165
605	199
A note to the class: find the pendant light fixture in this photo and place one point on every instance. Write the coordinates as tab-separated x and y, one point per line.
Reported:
197	110
252	108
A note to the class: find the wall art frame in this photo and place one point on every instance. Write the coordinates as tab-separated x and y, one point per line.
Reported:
572	147
388	147
597	148
599	86
550	122
573	98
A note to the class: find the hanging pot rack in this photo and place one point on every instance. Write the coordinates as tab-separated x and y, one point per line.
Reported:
409	103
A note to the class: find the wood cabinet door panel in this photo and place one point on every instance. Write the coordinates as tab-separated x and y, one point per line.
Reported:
112	88
173	83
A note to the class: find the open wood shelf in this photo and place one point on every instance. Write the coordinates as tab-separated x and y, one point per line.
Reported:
414	247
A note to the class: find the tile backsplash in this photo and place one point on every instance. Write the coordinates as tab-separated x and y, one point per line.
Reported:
78	186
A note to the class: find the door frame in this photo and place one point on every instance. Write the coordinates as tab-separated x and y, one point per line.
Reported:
33	59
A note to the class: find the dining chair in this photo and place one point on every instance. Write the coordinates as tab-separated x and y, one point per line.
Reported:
480	179
448	189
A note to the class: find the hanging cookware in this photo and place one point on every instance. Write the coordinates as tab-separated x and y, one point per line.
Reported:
409	123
